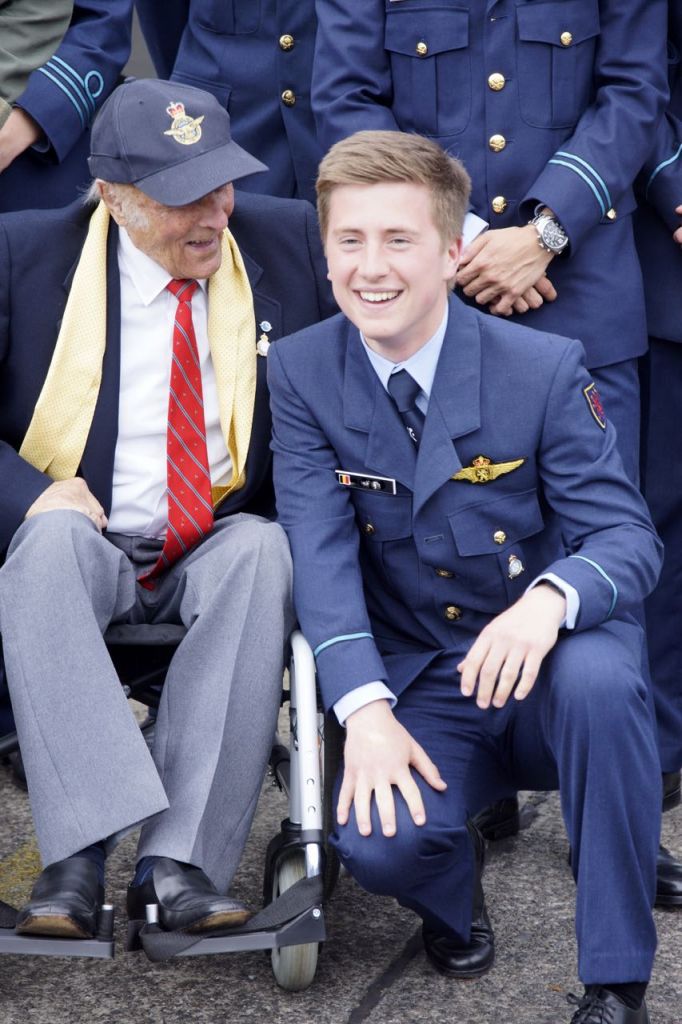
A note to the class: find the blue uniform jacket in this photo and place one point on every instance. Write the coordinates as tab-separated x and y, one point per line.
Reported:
63	97
256	57
384	583
660	185
545	101
279	241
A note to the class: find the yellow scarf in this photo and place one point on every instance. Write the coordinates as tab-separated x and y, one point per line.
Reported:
57	434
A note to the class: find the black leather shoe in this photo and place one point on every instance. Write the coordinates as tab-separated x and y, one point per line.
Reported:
668	879
65	901
186	900
671	790
456	959
599	1006
500	820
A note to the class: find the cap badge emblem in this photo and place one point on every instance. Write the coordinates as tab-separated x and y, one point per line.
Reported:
185	129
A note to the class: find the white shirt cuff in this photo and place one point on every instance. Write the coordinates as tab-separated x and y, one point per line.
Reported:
361	695
569	592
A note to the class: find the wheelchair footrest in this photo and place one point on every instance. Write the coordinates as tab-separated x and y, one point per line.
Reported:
101	946
294	918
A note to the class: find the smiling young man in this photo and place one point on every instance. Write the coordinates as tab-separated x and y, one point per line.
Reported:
455	477
134	485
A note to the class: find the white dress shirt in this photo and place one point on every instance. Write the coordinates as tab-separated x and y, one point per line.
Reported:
422	367
139	505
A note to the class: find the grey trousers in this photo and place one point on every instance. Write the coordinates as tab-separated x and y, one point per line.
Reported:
89	772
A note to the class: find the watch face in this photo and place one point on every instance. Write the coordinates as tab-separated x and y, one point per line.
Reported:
554	236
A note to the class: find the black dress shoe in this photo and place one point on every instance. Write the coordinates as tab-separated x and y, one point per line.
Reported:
599	1006
186	899
65	901
500	820
456	959
668	879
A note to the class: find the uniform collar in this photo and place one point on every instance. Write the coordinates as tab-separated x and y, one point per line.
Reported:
421	366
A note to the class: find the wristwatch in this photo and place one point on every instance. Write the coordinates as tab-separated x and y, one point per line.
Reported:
551	236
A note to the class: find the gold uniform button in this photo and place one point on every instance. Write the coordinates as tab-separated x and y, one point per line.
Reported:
422	48
286	42
452	613
499	204
496	81
497	143
566	38
288	98
369	528
499	536
611	214
445	574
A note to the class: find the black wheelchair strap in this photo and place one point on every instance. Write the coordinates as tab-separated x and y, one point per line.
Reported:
304	894
8	916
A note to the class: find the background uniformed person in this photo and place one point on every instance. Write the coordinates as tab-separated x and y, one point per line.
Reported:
256	57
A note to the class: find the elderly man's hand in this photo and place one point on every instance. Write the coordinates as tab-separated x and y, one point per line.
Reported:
503	267
17	133
69	494
507	654
378	755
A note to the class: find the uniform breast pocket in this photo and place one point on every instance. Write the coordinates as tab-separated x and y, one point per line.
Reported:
497	528
555	60
431	68
230	17
385	523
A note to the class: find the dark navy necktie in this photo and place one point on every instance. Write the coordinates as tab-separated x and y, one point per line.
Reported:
404	389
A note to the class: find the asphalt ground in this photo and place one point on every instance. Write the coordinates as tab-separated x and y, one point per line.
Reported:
372	967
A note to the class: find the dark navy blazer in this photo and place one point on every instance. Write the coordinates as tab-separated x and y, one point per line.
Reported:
248	53
573	87
63	97
279	241
384	583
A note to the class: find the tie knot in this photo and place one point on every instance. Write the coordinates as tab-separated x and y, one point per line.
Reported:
182	288
403	389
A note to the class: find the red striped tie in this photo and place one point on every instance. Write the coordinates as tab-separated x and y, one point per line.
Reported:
190	512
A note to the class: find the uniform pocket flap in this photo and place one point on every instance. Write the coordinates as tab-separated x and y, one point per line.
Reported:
383	516
492	526
426	32
553	23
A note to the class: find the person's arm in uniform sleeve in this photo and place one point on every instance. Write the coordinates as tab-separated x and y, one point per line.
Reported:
614	552
162	25
590	172
63	95
351	86
319	520
20	483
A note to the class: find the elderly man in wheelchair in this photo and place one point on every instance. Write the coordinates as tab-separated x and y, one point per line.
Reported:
135	474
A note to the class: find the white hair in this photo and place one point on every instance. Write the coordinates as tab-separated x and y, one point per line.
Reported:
128	197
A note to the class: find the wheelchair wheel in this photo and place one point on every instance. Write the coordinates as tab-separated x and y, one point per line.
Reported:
293	966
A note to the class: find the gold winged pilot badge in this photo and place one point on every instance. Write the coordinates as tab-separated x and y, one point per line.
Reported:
483	470
185	129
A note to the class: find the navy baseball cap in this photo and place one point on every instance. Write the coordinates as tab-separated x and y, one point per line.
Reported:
170	140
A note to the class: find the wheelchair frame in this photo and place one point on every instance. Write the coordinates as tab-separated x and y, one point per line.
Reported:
295	856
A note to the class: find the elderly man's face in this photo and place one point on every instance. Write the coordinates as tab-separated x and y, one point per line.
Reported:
185	240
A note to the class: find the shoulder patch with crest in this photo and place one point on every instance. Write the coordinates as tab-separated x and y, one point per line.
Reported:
594	402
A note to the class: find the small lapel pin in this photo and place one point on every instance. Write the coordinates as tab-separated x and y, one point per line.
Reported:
262	345
516	567
265	325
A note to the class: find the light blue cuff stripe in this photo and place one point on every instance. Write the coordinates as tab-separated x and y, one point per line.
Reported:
614	588
84	83
666	163
590	168
339	640
576	170
67	93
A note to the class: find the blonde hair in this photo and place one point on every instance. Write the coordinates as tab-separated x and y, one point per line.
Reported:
375	157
